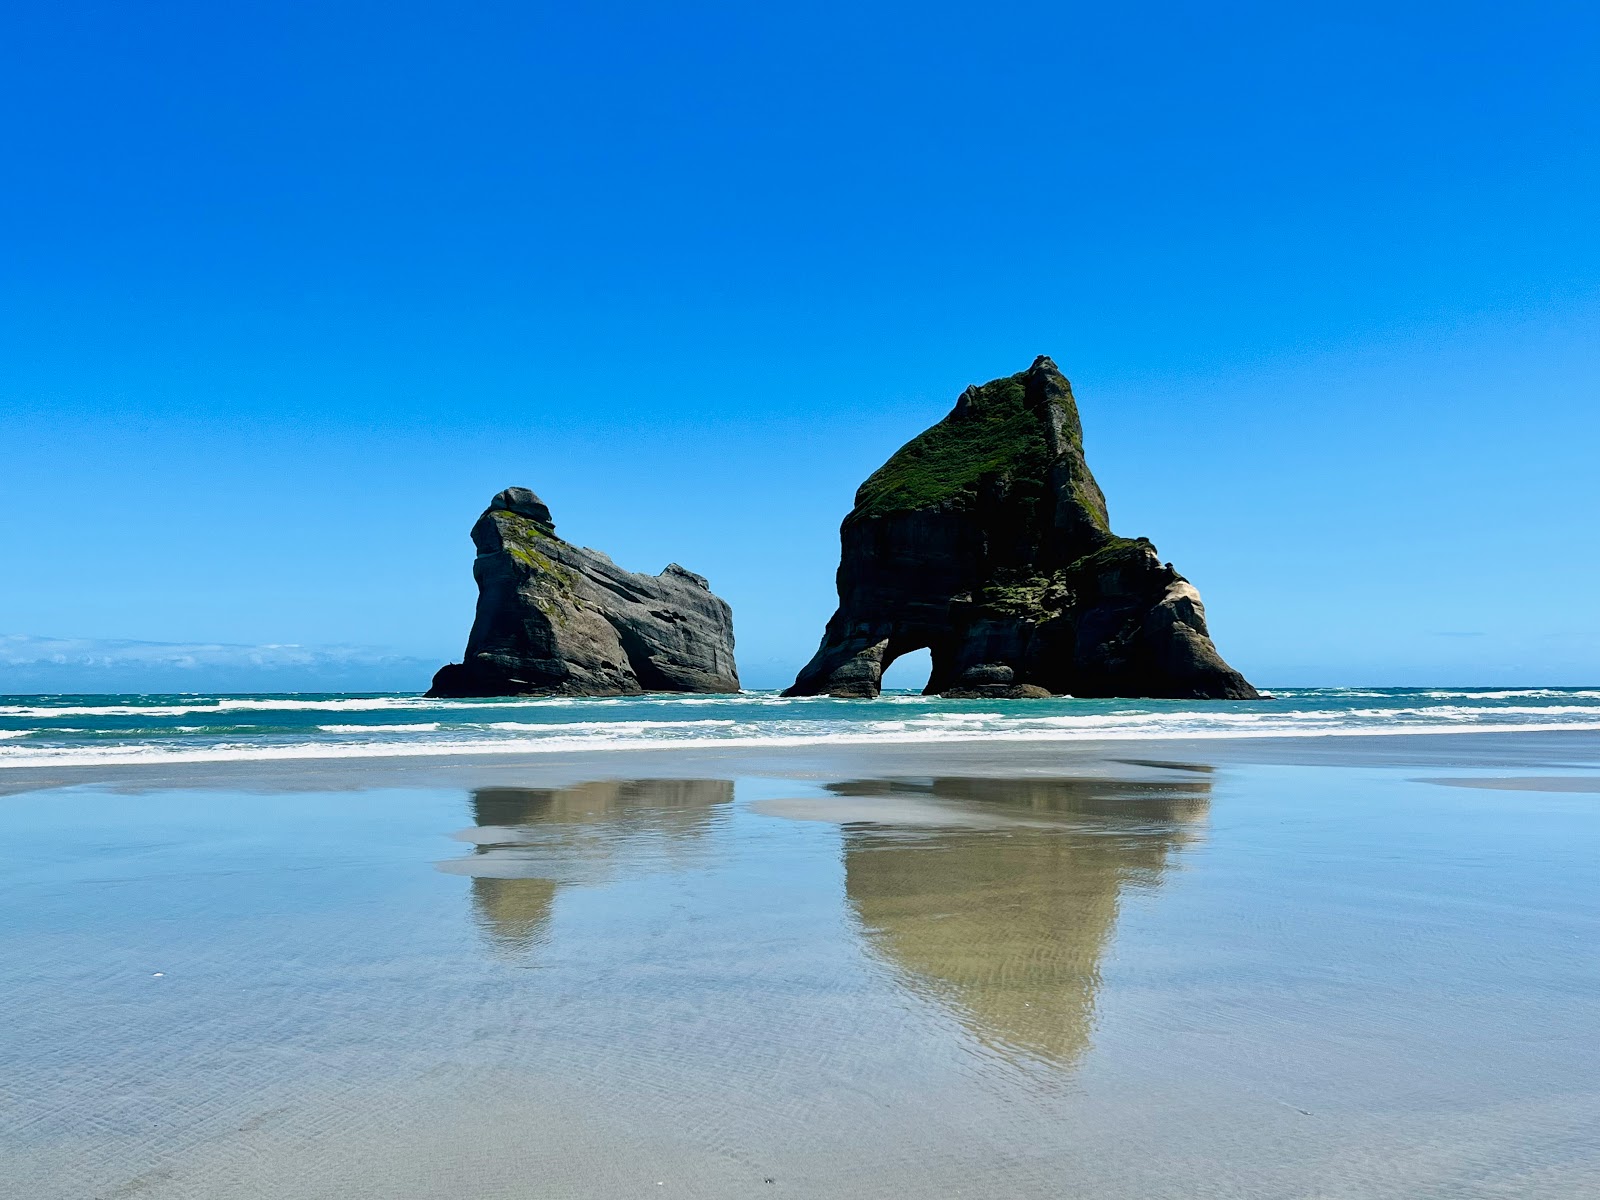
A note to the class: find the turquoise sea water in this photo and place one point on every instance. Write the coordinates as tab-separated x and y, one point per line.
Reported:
53	730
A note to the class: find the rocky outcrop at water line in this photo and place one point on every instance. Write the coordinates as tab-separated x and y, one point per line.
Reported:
556	619
985	539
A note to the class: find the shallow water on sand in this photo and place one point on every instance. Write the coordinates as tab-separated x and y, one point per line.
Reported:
1180	981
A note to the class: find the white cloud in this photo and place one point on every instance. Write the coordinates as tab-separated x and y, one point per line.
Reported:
46	664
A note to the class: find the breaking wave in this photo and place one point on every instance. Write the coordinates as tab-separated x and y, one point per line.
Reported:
56	730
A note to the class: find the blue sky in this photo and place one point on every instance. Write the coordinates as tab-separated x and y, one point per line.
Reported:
289	290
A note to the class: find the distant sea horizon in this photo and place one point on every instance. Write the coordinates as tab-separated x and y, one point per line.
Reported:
55	729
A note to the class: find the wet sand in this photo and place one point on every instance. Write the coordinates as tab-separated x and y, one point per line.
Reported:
1244	969
1433	751
1526	783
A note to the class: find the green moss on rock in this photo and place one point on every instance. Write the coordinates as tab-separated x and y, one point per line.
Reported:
520	537
1034	597
1092	506
992	432
1118	552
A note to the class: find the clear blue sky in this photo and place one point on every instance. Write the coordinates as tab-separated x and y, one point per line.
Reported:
289	290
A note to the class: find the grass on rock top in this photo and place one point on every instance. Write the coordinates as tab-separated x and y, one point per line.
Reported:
997	434
520	537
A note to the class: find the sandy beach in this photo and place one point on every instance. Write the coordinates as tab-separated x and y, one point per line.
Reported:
1334	967
1434	751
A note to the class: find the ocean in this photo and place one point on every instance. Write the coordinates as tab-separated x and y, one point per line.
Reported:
111	730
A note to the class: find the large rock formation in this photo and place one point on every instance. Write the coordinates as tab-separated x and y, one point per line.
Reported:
562	620
985	539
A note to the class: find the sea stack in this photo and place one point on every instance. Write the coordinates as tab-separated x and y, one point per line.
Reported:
986	540
556	619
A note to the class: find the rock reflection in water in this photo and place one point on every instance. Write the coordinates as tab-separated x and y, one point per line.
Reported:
1005	922
530	842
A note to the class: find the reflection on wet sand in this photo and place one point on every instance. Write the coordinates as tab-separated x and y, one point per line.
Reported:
529	842
1005	921
514	914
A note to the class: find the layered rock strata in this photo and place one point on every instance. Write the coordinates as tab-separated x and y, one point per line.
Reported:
985	539
562	620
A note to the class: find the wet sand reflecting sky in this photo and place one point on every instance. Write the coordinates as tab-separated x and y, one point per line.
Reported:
1169	981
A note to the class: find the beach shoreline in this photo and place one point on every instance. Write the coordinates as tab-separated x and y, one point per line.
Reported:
1433	750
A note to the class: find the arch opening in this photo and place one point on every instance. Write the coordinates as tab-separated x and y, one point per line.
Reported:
909	672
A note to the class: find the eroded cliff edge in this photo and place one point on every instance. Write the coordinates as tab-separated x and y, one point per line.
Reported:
986	540
556	619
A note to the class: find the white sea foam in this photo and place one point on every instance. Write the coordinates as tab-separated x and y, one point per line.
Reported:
261	728
609	726
312	751
217	706
1194	726
1514	694
417	727
353	704
359	704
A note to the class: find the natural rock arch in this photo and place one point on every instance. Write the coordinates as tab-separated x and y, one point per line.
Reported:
986	539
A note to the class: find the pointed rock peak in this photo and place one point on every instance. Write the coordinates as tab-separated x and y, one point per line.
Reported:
700	581
1040	383
1048	386
523	503
1010	428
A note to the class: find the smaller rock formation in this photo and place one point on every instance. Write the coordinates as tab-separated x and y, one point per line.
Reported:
556	619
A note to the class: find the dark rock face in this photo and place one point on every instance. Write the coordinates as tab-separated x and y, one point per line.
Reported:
986	540
560	620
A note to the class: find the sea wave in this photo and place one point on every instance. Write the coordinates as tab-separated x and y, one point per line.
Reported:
198	706
215	706
371	704
414	727
1515	694
1483	694
111	730
325	750
529	726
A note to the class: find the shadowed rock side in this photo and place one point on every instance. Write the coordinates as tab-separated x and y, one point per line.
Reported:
528	843
561	620
986	540
1006	927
